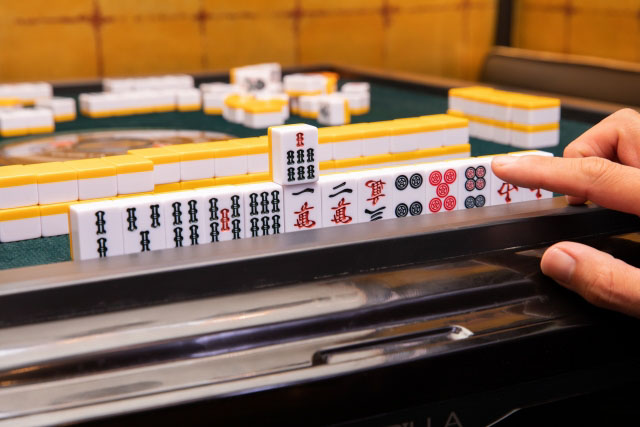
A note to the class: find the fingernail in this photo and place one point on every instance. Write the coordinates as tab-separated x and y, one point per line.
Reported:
559	265
504	160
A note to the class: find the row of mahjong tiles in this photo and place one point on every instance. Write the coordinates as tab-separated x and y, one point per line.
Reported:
147	223
516	119
228	162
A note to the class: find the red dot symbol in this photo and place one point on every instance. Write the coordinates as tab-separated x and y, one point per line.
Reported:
481	171
435	205
470	173
450	203
435	178
442	190
450	176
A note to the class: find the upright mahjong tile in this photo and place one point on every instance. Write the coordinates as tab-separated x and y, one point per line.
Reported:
475	182
181	211
143	224
294	150
503	193
263	209
339	199
96	229
302	207
222	217
529	194
375	194
409	191
442	194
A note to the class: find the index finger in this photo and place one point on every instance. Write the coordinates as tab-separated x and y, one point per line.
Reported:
617	138
606	183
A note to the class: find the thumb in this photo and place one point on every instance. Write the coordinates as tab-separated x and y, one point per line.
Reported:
601	279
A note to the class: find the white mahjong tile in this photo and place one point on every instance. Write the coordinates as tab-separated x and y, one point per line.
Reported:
375	194
409	191
294	154
339	199
182	222
96	230
143	224
302	207
441	181
222	216
263	209
474	182
503	193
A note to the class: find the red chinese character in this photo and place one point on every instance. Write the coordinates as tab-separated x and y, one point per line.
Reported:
376	190
224	220
538	193
505	189
303	217
299	139
340	214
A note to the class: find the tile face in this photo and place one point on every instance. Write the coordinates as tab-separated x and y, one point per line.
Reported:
96	230
474	183
303	207
409	191
143	224
339	199
222	216
182	226
503	193
441	187
294	154
263	209
375	195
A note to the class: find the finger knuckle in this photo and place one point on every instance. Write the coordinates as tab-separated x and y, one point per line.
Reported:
595	168
599	286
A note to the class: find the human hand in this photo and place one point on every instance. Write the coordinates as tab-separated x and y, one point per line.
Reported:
603	166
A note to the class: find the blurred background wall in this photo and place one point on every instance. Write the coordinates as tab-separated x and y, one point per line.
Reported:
601	28
73	39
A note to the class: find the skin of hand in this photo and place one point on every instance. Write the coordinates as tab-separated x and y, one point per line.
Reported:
603	166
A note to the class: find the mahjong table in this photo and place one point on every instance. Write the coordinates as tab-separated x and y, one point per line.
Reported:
435	320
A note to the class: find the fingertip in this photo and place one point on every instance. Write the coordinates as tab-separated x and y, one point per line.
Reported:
500	162
573	200
558	264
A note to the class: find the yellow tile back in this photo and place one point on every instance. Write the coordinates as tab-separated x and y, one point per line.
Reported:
249	6
47	52
353	39
151	47
245	40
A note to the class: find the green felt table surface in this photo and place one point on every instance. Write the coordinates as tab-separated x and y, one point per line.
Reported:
387	102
